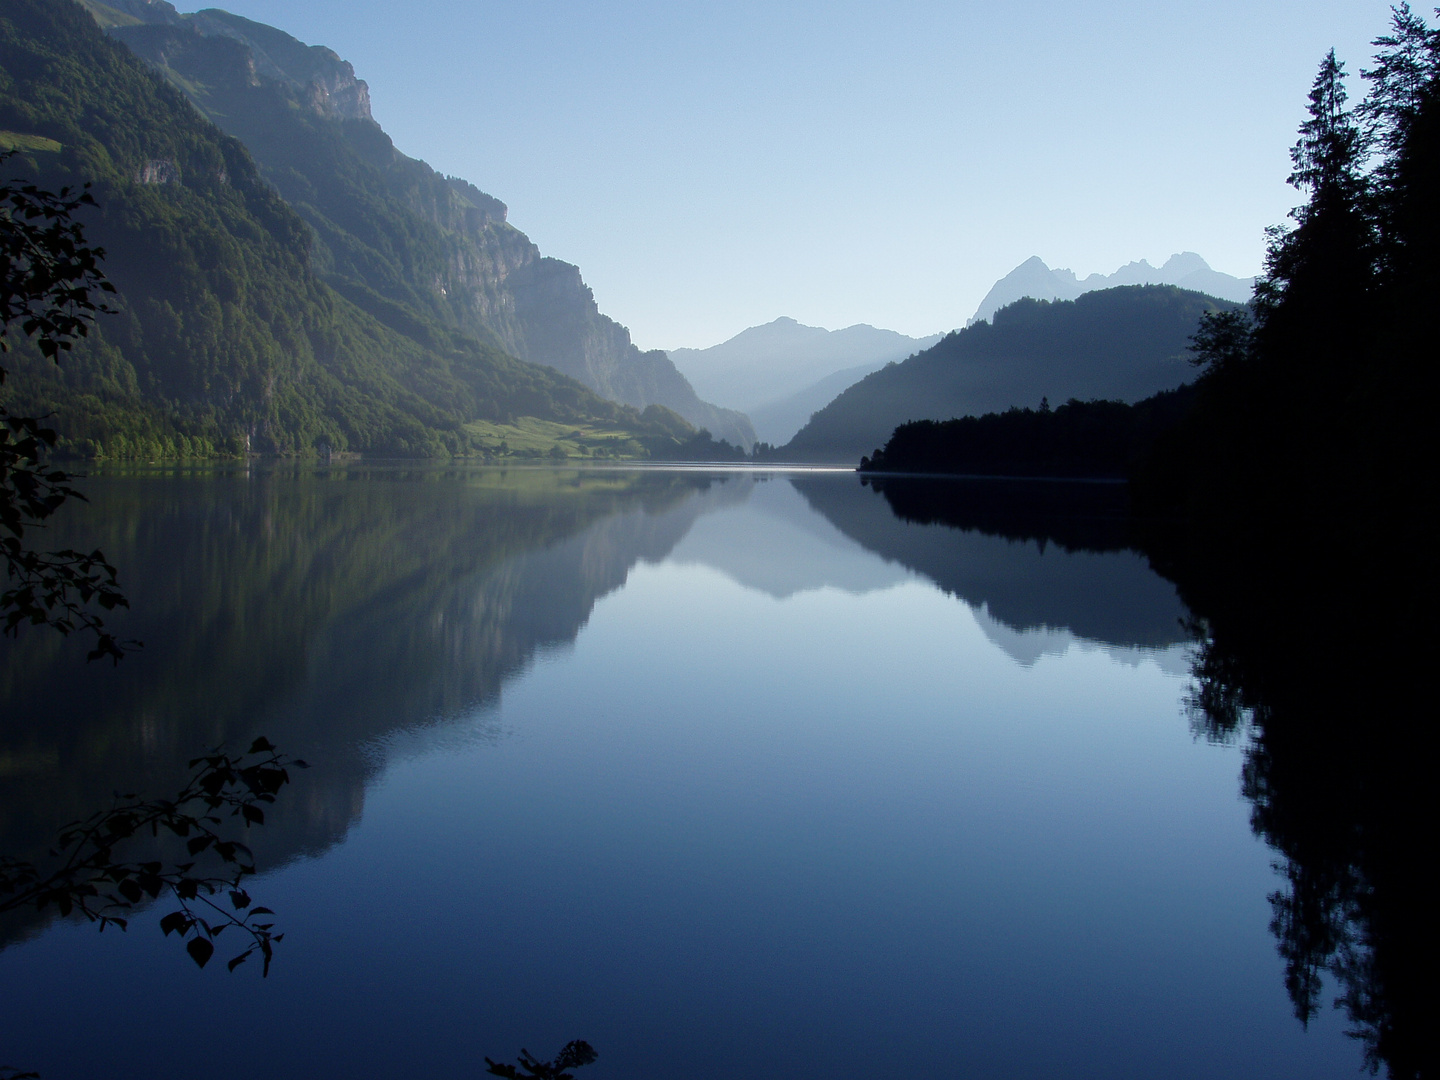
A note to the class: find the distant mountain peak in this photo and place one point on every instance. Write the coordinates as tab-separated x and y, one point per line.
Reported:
1034	279
1184	262
766	366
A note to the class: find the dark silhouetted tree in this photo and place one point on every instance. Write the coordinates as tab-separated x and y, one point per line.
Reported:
49	279
1312	304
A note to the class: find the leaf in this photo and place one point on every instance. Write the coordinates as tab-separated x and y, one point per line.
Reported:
200	950
240	898
253	814
176	921
262	745
233	964
576	1053
199	844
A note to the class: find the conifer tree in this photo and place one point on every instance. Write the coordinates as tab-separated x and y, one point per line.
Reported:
1312	300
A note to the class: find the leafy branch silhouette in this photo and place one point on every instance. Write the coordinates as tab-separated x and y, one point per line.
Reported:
92	881
575	1053
50	279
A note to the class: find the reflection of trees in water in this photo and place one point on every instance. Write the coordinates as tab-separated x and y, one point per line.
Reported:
1312	651
1315	658
1035	554
327	611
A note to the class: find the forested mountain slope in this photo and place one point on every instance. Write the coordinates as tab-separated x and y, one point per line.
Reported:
1123	344
226	338
396	238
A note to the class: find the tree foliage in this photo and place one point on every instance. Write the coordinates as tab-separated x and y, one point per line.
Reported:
1319	400
1091	439
49	279
50	272
89	876
573	1055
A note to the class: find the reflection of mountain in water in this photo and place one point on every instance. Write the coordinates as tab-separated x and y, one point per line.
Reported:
774	542
333	611
327	612
1045	564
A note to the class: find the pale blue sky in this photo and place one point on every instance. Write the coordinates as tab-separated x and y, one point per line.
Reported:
710	166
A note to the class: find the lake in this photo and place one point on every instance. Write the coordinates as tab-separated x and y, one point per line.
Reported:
732	774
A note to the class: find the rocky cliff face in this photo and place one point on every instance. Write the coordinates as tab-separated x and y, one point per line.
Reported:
328	84
394	236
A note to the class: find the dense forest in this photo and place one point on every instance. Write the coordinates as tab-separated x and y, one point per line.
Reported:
225	338
1090	439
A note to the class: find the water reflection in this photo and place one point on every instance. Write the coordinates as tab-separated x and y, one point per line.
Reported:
351	614
328	610
341	611
1047	565
1338	766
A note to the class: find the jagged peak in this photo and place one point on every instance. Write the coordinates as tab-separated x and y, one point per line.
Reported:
1033	278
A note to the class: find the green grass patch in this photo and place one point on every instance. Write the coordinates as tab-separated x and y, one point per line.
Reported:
532	437
28	144
107	16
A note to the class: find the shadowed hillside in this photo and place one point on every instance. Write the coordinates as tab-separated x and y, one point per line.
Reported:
226	338
404	243
1124	344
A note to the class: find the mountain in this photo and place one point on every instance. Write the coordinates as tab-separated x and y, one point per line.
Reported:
766	364
225	338
1124	344
398	240
777	422
1034	279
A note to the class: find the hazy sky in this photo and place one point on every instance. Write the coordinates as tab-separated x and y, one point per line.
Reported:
712	166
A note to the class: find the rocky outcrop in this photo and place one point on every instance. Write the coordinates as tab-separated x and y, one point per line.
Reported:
395	236
158	172
327	83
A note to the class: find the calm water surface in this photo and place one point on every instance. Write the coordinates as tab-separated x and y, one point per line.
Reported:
732	775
